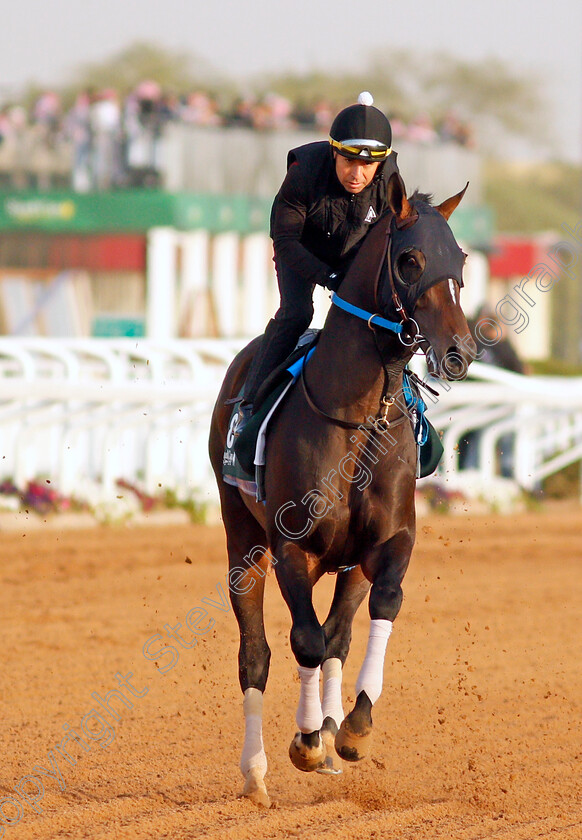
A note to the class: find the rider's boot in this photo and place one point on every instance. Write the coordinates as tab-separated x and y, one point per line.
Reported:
245	412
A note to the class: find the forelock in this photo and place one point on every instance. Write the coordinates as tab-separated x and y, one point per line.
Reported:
424	198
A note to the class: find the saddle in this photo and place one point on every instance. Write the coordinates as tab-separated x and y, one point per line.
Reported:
243	463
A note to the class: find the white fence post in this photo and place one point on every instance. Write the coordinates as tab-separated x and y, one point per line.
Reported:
255	284
193	315
225	283
161	284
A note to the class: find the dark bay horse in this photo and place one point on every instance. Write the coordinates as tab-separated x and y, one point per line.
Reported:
340	480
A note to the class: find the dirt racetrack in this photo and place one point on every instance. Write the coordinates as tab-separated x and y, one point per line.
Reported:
477	733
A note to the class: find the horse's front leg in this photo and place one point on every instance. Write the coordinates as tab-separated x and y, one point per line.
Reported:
387	569
350	590
307	750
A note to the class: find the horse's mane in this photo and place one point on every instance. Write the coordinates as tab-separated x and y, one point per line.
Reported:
426	198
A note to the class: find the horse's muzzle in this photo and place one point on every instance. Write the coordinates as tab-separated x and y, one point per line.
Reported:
455	363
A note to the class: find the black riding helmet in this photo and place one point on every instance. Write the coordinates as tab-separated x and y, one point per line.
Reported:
361	132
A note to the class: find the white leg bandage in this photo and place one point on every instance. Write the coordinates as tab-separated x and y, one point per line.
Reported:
309	716
372	672
253	754
332	691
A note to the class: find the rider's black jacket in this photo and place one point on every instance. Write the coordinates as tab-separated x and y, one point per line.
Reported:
316	225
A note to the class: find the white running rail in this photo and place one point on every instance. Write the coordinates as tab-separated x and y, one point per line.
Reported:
537	420
87	412
83	412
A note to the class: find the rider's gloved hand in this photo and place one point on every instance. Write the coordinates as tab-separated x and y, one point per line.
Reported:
334	279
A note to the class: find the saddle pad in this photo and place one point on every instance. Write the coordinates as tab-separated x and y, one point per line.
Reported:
240	451
233	471
245	452
431	452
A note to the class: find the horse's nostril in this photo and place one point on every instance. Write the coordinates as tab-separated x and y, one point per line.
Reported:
453	365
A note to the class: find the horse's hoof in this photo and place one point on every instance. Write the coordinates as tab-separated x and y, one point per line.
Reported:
255	789
351	746
331	765
307	752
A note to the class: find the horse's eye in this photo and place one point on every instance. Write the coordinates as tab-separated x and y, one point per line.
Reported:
411	264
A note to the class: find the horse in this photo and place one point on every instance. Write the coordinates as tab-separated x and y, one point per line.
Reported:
340	480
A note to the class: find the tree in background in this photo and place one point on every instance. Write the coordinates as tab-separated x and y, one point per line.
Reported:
175	72
495	97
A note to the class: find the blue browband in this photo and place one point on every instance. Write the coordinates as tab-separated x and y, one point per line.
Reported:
377	320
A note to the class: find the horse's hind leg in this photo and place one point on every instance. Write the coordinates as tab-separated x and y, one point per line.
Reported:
248	564
352	741
350	590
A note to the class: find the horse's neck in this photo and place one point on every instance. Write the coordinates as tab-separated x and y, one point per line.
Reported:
351	367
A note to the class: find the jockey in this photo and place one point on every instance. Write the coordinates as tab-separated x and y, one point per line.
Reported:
332	194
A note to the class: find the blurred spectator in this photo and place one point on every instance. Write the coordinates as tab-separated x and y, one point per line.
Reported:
200	109
46	113
78	130
241	115
421	130
454	130
323	114
279	110
145	114
14	145
304	117
105	121
105	142
45	140
399	129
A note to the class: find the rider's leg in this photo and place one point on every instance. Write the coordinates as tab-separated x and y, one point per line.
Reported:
283	331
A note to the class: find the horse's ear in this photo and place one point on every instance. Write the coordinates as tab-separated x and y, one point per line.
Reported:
396	196
450	204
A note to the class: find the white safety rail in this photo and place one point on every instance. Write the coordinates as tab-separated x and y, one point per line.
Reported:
539	417
87	412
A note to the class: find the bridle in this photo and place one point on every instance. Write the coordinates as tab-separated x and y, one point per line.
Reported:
409	333
406	329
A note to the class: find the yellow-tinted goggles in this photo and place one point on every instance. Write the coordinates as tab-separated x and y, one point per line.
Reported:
371	150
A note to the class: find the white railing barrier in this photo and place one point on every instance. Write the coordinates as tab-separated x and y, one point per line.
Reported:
541	414
84	413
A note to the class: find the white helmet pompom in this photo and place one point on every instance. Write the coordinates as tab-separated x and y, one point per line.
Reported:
365	98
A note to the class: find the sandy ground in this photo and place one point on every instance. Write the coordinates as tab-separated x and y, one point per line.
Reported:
477	733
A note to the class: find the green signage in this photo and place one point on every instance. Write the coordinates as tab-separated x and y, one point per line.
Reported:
473	225
138	211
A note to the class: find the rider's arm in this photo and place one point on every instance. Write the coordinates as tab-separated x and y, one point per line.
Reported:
287	224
